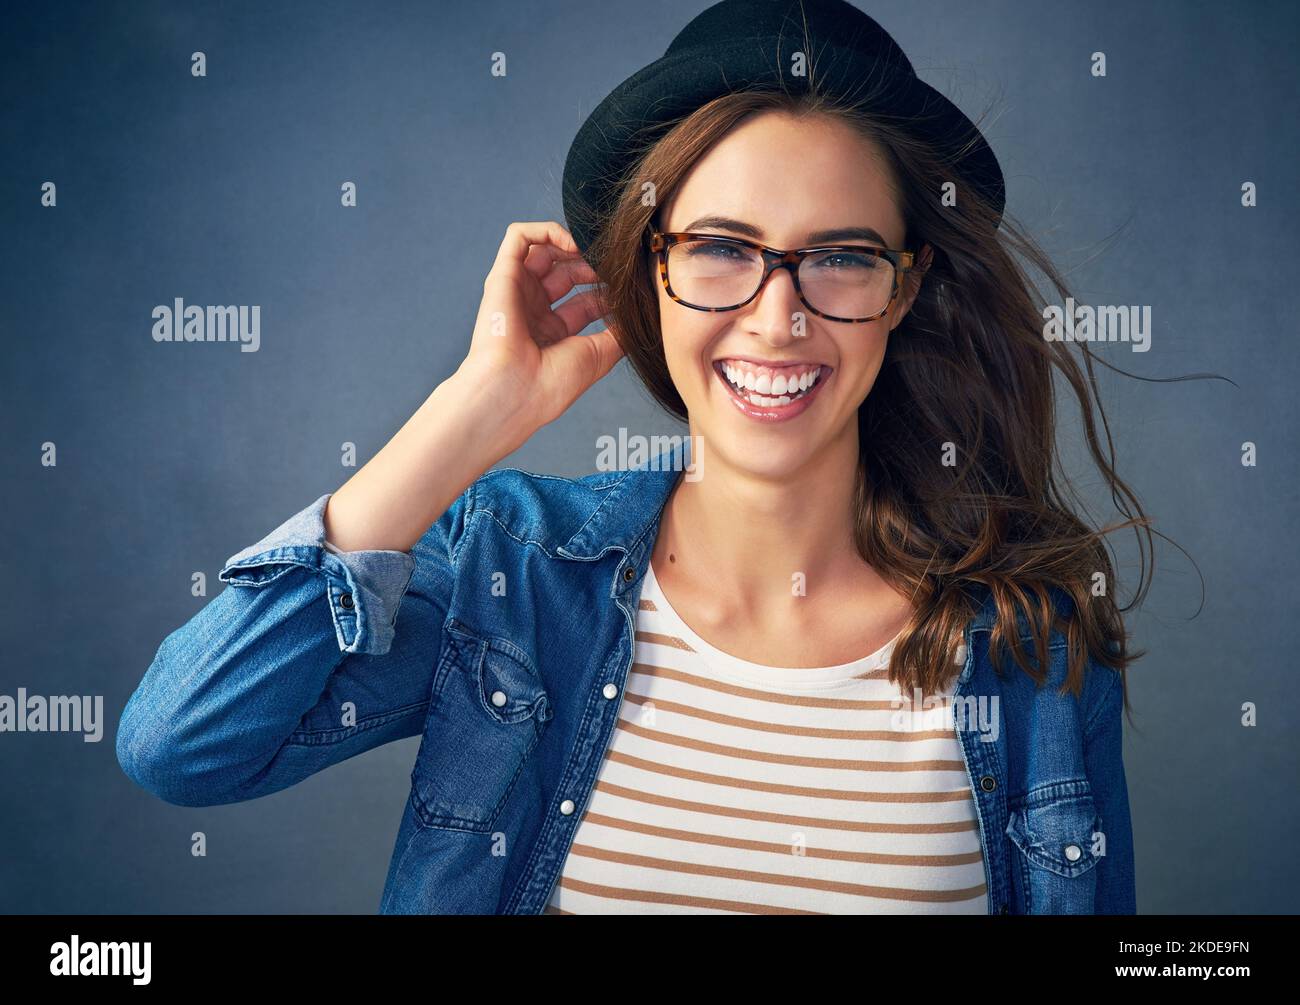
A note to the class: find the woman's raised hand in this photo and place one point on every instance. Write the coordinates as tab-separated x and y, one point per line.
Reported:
524	349
526	365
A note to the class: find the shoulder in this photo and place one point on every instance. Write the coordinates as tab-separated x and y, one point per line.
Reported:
987	616
508	490
1099	680
1101	694
544	509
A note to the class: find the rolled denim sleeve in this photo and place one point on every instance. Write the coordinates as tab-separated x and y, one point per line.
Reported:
1104	764
365	587
301	662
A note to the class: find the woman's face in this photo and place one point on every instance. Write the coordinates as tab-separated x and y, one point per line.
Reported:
780	181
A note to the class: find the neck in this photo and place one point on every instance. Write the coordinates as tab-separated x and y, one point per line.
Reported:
767	543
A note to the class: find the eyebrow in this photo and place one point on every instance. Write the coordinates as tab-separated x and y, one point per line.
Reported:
817	237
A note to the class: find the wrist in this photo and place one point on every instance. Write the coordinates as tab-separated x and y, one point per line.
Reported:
490	413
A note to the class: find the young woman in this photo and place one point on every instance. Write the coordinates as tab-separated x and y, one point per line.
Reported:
847	651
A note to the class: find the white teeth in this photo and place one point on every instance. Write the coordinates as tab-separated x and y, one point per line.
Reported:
767	392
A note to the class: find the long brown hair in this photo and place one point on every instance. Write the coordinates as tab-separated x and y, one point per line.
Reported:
967	370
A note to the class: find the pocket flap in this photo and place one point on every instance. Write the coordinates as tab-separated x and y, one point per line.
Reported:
509	687
1058	831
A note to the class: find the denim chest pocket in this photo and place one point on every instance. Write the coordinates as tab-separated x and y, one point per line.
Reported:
1056	831
487	710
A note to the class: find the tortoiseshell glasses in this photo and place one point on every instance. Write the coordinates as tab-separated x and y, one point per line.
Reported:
838	282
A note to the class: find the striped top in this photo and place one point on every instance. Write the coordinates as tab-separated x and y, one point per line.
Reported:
732	787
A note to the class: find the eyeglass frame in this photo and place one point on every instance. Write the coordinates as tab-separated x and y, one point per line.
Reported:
661	242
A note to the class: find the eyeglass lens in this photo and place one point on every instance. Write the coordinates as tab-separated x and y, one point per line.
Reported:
718	275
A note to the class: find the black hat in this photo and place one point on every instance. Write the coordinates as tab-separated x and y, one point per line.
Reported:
741	44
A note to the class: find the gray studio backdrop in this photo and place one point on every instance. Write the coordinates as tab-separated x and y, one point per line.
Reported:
225	189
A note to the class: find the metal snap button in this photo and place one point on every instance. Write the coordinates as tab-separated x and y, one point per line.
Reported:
498	698
1073	852
345	601
567	807
629	574
988	783
610	691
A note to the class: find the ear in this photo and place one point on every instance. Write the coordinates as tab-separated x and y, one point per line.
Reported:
912	281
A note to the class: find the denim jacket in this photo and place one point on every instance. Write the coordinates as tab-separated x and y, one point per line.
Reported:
503	639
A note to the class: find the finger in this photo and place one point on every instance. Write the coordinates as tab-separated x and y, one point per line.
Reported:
580	310
550	329
565	275
542	258
557	272
520	237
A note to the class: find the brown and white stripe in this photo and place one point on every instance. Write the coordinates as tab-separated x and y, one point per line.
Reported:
732	787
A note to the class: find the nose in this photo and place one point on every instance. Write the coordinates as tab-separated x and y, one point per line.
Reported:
776	312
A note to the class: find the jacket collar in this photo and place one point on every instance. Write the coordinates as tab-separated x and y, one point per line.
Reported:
631	505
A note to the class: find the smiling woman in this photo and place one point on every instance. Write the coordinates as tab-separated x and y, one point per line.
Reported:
816	283
686	686
939	477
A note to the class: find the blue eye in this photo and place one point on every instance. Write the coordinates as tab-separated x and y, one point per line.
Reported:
848	261
709	250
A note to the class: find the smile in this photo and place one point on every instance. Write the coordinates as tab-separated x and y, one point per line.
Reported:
771	393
